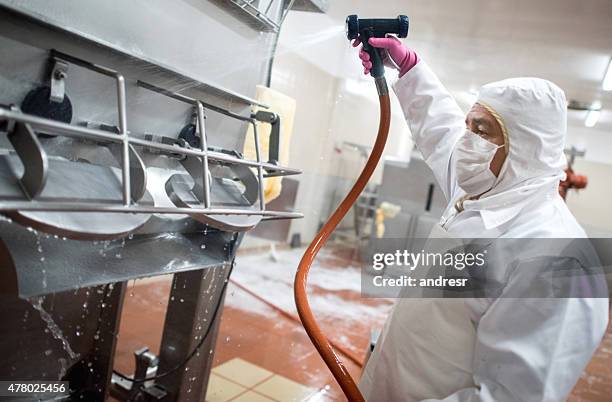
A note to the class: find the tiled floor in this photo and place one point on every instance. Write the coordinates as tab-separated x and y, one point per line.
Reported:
237	380
265	355
595	384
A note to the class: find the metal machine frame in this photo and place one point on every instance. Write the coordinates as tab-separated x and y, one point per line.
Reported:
36	294
35	180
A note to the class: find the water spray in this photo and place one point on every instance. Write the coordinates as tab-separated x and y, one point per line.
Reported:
362	29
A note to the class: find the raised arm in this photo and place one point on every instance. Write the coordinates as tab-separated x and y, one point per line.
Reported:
435	120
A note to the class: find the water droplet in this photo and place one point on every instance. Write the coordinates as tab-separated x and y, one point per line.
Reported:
48	352
5	219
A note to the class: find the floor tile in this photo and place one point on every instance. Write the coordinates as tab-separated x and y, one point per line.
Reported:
252	397
283	389
222	390
242	372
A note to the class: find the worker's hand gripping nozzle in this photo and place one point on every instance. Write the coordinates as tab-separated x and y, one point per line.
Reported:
366	28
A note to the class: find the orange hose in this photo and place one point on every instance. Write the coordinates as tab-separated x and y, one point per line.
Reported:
320	341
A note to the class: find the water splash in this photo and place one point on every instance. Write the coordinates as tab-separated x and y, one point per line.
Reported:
63	367
176	264
52	326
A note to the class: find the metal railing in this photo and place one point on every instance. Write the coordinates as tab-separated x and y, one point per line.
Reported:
123	137
262	15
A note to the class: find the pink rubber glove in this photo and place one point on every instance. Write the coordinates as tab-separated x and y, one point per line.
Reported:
403	57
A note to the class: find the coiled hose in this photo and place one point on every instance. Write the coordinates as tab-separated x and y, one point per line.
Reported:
320	341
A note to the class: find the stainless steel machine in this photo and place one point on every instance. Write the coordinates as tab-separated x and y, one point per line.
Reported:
121	131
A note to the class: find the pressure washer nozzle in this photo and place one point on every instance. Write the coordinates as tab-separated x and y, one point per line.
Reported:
376	27
364	29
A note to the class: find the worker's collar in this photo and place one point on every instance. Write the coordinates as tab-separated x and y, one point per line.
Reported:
495	210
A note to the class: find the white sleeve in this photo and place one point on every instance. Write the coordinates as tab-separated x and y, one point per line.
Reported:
533	349
435	120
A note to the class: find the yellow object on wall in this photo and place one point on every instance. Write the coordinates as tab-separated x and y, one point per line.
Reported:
384	211
284	106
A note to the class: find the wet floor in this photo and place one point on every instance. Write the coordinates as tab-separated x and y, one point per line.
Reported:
260	330
263	353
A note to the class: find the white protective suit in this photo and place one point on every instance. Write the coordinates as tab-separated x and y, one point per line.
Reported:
493	350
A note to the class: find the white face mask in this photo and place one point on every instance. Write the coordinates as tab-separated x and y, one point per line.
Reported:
473	155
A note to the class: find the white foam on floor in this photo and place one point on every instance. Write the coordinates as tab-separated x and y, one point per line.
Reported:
273	280
243	301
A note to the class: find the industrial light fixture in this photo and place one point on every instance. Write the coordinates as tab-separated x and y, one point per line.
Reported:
593	114
606	84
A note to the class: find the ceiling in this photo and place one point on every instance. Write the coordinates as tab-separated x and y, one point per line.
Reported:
472	42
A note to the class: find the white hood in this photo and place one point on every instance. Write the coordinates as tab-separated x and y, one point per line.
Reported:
534	113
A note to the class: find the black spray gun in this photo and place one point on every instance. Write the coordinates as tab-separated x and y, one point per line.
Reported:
366	28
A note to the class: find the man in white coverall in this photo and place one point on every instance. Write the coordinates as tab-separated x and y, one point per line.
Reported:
499	169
